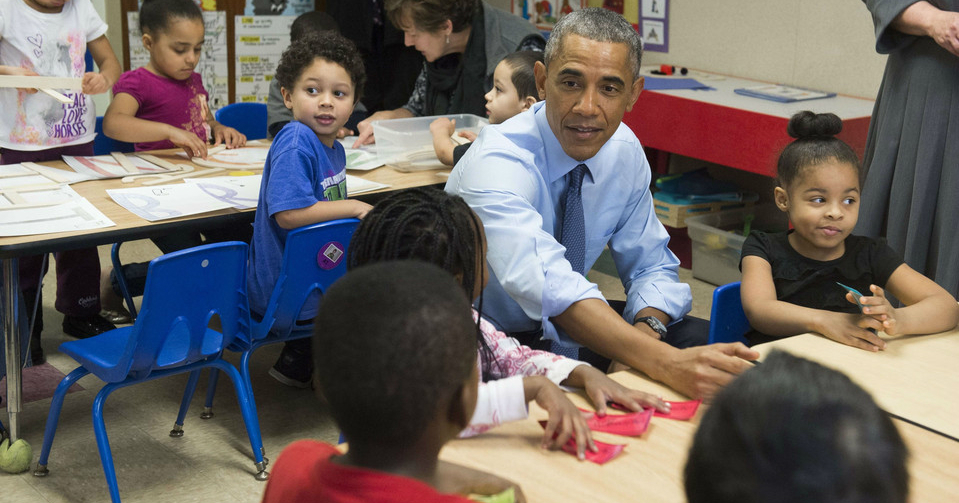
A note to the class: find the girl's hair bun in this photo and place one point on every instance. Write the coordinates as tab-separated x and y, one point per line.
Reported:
806	124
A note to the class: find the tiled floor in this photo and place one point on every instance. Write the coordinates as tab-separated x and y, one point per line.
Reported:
212	461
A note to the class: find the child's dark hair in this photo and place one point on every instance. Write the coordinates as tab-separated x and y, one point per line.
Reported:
312	22
791	431
392	341
815	143
429	225
327	45
521	62
156	15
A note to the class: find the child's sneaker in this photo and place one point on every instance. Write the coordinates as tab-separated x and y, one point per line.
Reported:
293	368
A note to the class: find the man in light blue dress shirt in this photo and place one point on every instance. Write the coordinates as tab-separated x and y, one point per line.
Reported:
515	176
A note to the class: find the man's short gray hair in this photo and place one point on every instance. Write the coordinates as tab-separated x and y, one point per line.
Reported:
600	25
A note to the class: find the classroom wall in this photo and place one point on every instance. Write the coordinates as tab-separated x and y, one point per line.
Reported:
821	44
115	36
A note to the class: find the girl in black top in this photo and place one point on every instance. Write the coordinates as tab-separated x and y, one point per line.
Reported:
791	280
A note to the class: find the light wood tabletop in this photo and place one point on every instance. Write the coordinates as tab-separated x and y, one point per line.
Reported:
916	377
650	469
129	227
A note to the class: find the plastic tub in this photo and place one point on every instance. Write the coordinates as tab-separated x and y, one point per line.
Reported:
395	136
717	240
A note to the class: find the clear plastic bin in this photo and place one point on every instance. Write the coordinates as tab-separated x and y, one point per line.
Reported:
397	136
717	240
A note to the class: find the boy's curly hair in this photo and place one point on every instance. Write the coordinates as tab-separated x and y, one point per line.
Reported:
327	45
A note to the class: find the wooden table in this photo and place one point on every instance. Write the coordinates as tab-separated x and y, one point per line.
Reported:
726	128
916	378
650	469
129	227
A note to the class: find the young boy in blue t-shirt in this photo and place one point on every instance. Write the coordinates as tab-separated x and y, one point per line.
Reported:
304	179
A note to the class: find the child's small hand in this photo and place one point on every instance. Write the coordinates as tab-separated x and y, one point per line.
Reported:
601	390
188	141
228	136
95	83
565	420
879	308
361	208
442	127
343	132
469	135
853	330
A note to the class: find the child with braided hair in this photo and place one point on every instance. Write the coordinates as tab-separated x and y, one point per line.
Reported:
433	226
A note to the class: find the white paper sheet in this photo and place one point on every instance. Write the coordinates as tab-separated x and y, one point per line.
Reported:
105	166
69	212
356	185
162	202
240	192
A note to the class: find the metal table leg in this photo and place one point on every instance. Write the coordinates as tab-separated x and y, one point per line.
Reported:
11	334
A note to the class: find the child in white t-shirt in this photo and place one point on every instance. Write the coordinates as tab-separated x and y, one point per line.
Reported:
50	38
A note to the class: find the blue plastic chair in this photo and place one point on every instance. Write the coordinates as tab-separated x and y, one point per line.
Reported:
184	291
103	144
313	258
727	321
247	118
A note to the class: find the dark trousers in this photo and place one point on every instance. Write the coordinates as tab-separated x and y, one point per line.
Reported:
689	332
78	271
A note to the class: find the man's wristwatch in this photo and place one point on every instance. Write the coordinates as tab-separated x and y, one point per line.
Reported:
654	324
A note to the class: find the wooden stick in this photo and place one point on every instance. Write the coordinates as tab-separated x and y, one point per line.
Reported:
186	168
40	82
45	172
124	162
55	95
163	163
183	175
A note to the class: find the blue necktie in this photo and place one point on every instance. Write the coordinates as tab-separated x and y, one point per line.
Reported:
573	237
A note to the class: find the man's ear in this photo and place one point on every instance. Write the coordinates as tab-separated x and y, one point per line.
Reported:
782	198
539	73
634	91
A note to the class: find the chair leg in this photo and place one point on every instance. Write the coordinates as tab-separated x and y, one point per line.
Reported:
177	430
249	417
245	375
103	443
122	279
53	417
210	392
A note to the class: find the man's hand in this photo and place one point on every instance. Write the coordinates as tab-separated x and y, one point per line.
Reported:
700	372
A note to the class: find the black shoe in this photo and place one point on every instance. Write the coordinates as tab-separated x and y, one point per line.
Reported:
37	357
293	368
86	326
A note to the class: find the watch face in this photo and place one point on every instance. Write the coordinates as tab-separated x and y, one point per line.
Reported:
655	324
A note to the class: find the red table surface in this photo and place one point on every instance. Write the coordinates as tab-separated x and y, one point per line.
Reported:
729	136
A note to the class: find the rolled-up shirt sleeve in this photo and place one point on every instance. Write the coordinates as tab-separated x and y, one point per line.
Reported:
648	269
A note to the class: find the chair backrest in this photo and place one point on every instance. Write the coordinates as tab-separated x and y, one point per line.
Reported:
313	258
184	290
727	322
247	118
103	144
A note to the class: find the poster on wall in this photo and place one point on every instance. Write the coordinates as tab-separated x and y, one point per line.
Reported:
545	13
213	65
277	7
260	40
654	24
